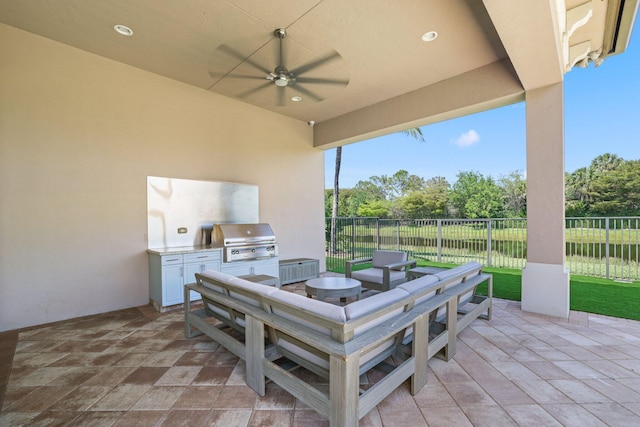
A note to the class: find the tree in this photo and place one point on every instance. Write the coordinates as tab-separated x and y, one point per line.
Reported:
350	199
606	162
414	205
414	133
336	195
590	190
369	190
514	193
427	201
374	208
476	196
364	191
436	193
617	192
578	192
398	185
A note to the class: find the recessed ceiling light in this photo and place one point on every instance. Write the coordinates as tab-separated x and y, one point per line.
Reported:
429	36
296	98
123	29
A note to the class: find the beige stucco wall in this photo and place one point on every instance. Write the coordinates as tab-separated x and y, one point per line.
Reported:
79	134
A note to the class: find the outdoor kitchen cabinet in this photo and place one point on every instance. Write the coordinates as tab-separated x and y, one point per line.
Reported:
197	263
169	272
268	267
298	270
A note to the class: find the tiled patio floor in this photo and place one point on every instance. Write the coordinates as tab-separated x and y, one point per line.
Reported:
135	367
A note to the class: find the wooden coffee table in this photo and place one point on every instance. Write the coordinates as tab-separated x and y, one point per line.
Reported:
332	287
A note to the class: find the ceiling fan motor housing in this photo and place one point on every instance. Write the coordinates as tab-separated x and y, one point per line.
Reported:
281	76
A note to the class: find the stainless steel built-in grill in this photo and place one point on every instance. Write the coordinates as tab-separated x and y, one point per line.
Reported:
241	242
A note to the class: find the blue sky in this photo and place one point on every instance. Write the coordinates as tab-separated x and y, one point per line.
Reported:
602	115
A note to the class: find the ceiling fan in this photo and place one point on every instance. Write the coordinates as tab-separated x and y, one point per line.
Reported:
281	78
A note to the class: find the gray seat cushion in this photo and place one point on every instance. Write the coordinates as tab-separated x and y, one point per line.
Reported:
375	275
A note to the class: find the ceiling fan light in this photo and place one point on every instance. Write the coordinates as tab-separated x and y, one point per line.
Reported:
281	81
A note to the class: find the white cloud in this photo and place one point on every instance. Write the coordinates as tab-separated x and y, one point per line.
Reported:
467	139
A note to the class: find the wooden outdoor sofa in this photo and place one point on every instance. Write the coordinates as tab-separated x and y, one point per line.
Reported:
273	330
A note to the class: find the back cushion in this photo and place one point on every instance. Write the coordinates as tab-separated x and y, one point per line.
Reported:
295	310
298	305
462	271
248	292
383	258
375	303
416	287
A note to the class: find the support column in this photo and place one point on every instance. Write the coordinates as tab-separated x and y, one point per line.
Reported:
545	279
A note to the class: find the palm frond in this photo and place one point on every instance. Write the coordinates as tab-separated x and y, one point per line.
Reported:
415	133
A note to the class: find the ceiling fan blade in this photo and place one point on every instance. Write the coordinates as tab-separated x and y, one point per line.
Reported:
313	64
307	92
280	96
232	52
322	81
255	90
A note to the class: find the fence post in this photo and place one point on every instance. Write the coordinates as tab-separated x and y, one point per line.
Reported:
353	238
398	235
439	240
606	247
489	242
377	233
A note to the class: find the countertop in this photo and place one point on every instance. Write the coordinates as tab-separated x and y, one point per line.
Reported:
183	249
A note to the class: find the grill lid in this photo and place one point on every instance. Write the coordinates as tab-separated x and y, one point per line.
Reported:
242	234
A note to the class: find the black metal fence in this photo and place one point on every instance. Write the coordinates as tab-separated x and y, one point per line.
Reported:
600	247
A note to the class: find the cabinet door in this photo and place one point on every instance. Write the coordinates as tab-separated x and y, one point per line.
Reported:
270	267
172	285
212	265
198	262
190	271
238	268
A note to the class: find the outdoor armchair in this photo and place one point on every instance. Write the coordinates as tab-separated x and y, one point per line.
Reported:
388	270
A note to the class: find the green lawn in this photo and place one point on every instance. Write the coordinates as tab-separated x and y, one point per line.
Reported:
588	294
